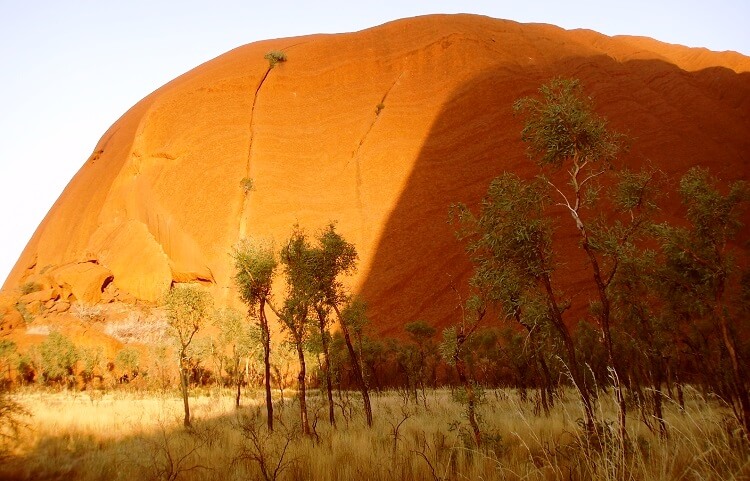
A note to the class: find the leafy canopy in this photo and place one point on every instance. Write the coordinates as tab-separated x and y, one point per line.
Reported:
562	126
255	265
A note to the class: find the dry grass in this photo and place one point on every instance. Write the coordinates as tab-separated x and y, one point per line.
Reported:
134	436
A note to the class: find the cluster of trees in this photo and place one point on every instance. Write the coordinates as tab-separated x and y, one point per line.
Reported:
58	361
314	296
666	303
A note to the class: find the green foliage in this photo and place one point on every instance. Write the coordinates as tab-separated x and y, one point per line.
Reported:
449	345
698	258
510	242
300	262
188	308
92	358
274	57
59	356
354	315
247	184
637	191
242	337
27	316
337	257
128	360
29	287
9	358
562	126
419	331
255	265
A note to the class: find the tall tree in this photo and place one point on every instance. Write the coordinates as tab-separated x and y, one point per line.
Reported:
510	244
702	268
187	311
298	258
324	321
563	132
338	257
255	265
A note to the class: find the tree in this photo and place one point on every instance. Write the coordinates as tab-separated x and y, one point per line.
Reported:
127	361
510	245
421	334
563	132
188	308
58	358
255	265
298	259
324	321
92	361
701	269
8	360
453	349
338	257
241	339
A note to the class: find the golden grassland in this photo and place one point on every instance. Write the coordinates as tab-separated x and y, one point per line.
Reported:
137	436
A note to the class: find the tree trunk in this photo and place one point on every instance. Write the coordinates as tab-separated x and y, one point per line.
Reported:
604	319
327	369
656	386
238	380
266	338
471	398
184	389
573	366
740	389
356	366
302	392
237	399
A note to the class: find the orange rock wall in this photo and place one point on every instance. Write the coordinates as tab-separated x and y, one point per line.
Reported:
160	200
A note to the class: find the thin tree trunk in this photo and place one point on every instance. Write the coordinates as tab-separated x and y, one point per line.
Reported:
266	338
237	399
301	386
656	386
184	389
327	368
357	367
237	378
471	397
737	372
604	318
573	366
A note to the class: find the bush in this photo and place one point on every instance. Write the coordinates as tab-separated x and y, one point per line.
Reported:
247	184
274	57
59	356
29	287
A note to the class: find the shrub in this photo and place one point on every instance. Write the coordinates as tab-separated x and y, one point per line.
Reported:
59	356
27	316
274	57
29	287
247	184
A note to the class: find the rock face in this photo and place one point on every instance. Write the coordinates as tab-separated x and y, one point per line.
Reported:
380	131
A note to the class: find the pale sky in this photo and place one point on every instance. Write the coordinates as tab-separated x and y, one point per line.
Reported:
70	69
